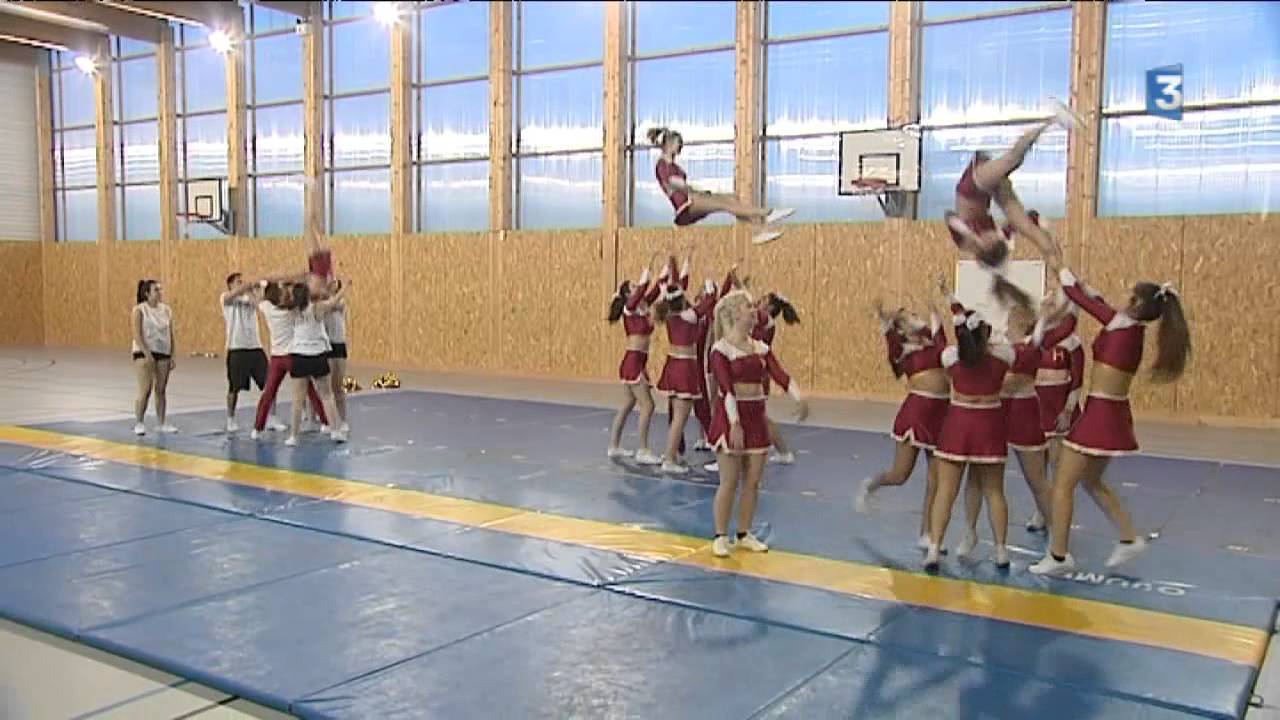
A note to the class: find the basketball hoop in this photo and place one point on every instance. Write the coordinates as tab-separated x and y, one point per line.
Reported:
893	200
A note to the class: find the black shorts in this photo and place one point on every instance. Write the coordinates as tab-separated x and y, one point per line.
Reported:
308	366
156	355
246	365
339	351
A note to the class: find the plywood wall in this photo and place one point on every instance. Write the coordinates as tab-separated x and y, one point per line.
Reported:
534	302
21	294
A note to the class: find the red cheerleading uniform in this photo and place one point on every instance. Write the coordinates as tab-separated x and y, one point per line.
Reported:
1105	428
1023	414
729	365
975	433
637	322
679	196
320	264
681	375
980	222
1056	395
920	417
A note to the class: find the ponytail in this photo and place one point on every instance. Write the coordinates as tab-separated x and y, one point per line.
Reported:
971	343
619	301
657	136
301	297
1173	341
666	307
779	305
144	289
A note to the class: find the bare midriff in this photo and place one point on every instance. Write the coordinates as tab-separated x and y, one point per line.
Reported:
1110	381
962	399
638	342
748	391
682	351
933	382
1017	384
1053	376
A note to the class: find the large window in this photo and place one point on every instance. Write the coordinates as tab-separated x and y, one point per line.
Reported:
559	123
1223	156
988	68
274	72
826	71
682	77
451	111
201	81
136	124
75	148
357	112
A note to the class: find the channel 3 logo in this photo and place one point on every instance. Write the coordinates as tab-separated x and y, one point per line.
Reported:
1164	92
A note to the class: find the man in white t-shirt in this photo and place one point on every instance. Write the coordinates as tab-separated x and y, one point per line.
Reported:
245	359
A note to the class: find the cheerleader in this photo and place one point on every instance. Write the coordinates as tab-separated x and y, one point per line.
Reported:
702	406
739	427
1105	428
770	307
1060	378
692	205
680	379
276	304
973	433
914	350
986	179
631	306
335	326
308	357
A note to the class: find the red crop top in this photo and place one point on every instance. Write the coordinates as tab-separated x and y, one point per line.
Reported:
636	320
1120	342
985	378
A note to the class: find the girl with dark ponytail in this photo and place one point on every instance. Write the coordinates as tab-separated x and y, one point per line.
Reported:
692	205
771	307
1105	428
631	305
151	323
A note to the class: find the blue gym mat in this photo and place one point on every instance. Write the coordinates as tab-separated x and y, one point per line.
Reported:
326	609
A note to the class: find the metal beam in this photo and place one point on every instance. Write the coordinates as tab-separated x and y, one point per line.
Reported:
19	28
297	8
213	14
113	20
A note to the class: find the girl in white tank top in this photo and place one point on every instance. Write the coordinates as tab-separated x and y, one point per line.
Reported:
151	323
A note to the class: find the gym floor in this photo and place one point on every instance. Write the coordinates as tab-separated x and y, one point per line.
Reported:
471	553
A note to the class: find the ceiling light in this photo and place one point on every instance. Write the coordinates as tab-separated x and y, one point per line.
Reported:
387	13
220	41
86	64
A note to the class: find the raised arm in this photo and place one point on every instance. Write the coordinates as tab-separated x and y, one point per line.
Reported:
684	270
1084	296
638	292
1064	329
328	304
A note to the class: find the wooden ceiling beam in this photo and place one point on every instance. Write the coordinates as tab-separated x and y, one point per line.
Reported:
116	21
25	30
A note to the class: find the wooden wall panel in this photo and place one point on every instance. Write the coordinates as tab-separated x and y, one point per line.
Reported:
197	278
448	301
571	302
1232	303
1120	252
127	263
271	256
22	293
526	312
71	297
926	251
852	265
366	262
788	266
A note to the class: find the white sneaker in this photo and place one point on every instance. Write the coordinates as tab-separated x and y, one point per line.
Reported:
931	558
1002	557
256	434
1051	567
967	545
765	236
1067	118
674	468
721	548
338	436
778	215
617	452
786	458
923	542
712	467
645	456
752	543
1036	523
168	429
1125	552
324	429
232	425
139	429
344	427
291	441
275	425
862	501
701	446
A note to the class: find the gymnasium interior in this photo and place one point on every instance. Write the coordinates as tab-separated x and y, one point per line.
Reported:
481	174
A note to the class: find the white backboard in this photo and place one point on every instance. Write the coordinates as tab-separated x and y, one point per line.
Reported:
889	155
973	288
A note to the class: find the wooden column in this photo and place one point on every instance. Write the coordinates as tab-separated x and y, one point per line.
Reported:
401	166
617	128
313	123
501	29
1088	37
44	147
748	113
167	92
237	135
904	71
103	116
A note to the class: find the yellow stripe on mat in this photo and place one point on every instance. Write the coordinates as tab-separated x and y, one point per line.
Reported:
1092	618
